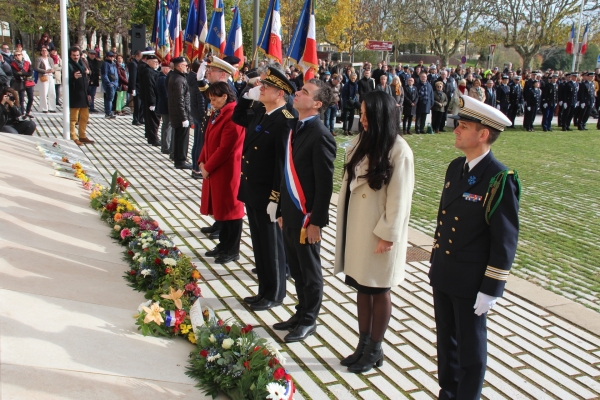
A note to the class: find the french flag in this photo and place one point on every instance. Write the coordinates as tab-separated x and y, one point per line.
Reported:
235	46
303	47
196	29
269	40
175	28
216	32
571	40
585	40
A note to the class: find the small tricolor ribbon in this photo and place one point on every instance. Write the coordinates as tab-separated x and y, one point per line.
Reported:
294	188
170	318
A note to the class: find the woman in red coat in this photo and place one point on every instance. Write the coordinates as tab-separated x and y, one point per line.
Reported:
221	164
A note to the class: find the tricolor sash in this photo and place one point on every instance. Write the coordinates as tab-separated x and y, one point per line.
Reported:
294	188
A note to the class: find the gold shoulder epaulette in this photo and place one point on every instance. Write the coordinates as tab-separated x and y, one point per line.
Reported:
287	114
203	88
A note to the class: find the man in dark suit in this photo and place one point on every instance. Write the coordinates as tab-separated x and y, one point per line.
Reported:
515	99
424	103
305	194
490	93
570	101
586	98
132	68
549	100
267	132
474	247
503	95
533	98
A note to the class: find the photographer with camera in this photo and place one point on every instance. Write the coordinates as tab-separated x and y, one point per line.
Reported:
10	113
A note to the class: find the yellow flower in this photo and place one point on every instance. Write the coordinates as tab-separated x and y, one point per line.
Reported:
153	314
192	337
185	328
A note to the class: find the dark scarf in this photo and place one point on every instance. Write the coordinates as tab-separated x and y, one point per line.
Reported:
77	66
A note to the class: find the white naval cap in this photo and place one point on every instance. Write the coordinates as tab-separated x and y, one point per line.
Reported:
216	62
471	109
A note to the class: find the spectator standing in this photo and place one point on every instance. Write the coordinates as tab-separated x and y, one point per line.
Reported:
331	111
425	102
121	97
383	85
440	101
45	41
45	68
79	98
398	95
23	82
490	93
57	74
6	54
349	96
10	113
95	66
477	91
162	109
147	80
132	68
179	112
19	48
110	82
449	88
411	98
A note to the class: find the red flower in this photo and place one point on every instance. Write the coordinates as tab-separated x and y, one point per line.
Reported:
115	200
246	329
279	373
129	252
220	322
174	248
273	362
204	353
157	261
180	316
160	232
257	348
288	377
247	365
111	206
167	270
227	329
132	272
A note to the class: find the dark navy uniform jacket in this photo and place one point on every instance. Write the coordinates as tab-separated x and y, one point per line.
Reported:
470	256
550	95
502	96
570	93
586	93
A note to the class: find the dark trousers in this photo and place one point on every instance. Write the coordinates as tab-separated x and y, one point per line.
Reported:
529	118
29	91
512	113
136	109
92	90
181	144
21	128
109	96
461	347
166	134
406	122
443	118
151	122
436	120
584	115
420	122
198	143
347	119
330	114
57	91
269	254
548	114
567	117
305	268
230	236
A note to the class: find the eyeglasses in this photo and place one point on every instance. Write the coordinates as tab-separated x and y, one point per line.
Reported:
18	54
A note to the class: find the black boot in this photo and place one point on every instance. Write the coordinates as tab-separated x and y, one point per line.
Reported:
358	353
373	356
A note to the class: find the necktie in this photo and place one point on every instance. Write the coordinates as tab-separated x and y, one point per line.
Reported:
466	170
299	125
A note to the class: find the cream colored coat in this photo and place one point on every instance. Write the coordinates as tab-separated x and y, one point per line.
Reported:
375	215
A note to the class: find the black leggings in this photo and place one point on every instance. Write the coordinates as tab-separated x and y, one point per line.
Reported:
406	122
29	92
21	128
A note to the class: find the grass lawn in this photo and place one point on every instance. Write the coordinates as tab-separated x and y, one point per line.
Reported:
559	246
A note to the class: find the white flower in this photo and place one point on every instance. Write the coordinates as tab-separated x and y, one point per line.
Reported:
276	391
213	358
136	256
117	228
275	352
227	343
170	262
212	338
145	246
145	272
144	304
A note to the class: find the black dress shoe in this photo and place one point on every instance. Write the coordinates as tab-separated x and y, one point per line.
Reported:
155	144
253	270
214	235
253	299
214	252
209	229
300	333
183	166
287	325
227	258
264	304
197	175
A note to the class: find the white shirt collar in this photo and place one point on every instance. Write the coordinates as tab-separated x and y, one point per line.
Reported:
272	111
475	161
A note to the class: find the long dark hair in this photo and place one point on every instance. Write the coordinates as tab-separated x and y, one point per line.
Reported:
377	141
219	89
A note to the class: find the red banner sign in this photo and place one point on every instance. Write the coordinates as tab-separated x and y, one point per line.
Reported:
379	45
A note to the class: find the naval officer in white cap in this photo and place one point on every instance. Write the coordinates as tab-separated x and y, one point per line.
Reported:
474	247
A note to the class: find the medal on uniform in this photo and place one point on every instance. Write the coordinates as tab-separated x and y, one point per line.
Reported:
472	180
472	197
258	128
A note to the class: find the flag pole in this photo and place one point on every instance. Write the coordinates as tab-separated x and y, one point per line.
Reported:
576	44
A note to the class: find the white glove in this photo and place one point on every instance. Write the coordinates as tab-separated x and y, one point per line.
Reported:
253	94
577	104
528	108
498	107
185	124
152	108
545	105
582	105
133	92
560	103
201	71
565	106
272	211
484	303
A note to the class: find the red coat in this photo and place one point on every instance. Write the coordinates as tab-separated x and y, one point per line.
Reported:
222	158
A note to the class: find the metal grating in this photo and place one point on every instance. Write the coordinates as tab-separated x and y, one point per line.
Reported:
417	254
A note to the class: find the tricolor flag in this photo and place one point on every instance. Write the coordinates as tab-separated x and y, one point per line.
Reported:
174	18
234	45
196	29
571	40
303	47
216	32
270	35
160	33
585	40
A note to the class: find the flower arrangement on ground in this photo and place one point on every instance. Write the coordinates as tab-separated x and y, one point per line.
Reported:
233	359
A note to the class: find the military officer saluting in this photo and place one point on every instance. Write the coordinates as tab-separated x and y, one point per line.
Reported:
585	97
474	248
549	101
503	95
515	99
268	127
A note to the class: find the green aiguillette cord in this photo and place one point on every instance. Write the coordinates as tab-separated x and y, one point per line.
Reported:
497	183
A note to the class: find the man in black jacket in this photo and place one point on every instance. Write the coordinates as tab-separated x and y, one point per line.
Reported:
198	115
95	66
267	131
310	152
515	99
474	248
586	99
569	101
179	112
533	98
148	76
132	68
549	100
79	99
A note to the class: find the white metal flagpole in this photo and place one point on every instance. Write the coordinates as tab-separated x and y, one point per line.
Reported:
576	44
64	48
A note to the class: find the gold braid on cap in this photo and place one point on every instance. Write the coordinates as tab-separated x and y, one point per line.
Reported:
275	81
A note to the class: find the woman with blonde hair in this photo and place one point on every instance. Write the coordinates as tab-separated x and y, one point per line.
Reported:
398	95
477	92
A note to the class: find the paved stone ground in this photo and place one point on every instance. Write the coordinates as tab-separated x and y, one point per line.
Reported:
532	353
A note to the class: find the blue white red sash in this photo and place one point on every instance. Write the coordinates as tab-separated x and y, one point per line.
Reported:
294	188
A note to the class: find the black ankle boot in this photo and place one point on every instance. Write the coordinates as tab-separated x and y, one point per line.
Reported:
373	356
358	353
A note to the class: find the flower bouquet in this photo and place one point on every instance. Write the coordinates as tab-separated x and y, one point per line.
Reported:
232	359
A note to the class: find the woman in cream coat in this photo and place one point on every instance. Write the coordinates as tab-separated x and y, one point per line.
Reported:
372	223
